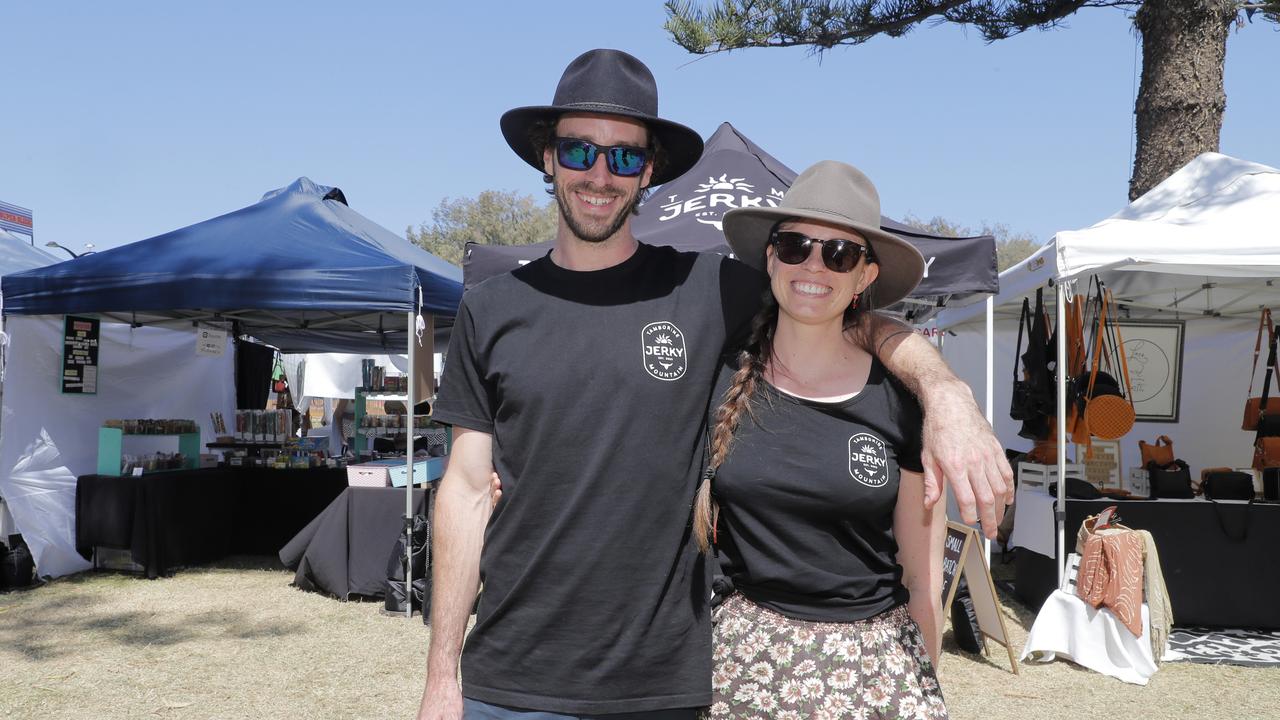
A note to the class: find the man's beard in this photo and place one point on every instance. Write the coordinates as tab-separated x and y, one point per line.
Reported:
593	231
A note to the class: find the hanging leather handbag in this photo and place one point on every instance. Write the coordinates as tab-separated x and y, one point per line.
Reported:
1079	389
1266	443
1171	481
1269	424
1081	313
1034	386
1266	453
1271	484
1020	405
1160	452
1229	485
1253	405
1109	416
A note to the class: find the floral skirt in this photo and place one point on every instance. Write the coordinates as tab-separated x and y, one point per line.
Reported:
768	665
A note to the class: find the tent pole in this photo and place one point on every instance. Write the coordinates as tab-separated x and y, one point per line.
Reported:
990	394
1060	513
408	458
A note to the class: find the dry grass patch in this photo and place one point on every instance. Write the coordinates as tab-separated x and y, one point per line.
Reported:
228	641
234	640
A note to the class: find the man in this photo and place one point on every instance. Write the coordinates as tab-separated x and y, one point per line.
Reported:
583	379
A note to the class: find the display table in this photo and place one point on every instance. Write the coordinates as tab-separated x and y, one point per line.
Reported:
346	549
186	517
1219	559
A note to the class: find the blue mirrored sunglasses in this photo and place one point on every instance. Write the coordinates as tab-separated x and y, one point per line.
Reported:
622	160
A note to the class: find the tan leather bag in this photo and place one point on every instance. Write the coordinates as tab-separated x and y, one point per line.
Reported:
1266	453
1253	405
1160	452
1110	417
1077	360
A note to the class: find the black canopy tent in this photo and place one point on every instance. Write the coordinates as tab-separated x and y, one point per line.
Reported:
734	172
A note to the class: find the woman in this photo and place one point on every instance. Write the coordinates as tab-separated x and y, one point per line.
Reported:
344	427
814	496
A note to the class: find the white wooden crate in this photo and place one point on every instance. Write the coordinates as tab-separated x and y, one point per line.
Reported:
1033	475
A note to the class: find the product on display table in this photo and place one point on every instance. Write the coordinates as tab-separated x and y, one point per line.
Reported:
263	426
1218	556
394	472
374	378
149	426
369	425
112	459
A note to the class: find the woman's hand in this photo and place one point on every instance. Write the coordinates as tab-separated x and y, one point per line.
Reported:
495	490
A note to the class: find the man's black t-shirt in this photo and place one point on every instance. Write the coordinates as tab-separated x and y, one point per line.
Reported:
806	498
594	386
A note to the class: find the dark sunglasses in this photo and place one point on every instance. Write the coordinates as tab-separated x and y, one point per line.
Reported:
839	256
622	160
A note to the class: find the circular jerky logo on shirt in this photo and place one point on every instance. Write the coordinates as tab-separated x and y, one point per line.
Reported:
665	354
868	462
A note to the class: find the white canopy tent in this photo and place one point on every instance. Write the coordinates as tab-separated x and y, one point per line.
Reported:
1201	247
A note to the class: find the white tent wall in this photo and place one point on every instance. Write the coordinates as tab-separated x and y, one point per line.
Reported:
1217	355
1199	247
47	439
336	375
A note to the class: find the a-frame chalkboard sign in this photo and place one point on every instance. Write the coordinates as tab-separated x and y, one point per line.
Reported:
962	553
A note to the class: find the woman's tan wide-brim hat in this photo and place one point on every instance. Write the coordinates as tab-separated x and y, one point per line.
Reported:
838	193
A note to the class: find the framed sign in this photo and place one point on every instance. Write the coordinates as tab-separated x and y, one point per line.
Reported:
1153	351
80	355
1102	468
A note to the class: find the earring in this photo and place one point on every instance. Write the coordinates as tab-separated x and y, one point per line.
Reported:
854	305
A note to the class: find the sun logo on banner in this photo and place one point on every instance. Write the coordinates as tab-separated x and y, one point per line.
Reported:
724	182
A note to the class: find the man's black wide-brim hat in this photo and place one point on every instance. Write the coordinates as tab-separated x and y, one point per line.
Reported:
610	82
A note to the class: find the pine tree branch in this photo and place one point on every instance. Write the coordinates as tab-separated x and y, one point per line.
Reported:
823	24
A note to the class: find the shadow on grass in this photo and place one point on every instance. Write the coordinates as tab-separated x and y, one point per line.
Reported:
242	562
61	622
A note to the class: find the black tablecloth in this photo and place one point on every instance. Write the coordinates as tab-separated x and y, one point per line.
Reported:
187	517
345	550
1221	561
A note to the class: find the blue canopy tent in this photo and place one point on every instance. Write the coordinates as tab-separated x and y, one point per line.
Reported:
299	270
299	259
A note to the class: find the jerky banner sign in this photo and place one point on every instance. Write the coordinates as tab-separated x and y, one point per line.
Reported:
80	355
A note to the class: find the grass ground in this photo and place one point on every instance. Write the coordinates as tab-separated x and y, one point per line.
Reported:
235	640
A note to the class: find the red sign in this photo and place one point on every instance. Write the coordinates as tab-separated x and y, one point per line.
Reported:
16	219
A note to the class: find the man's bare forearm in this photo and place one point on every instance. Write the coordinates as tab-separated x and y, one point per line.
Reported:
911	358
460	518
462	509
960	447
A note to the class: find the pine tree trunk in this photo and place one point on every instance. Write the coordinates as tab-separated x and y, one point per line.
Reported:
1181	99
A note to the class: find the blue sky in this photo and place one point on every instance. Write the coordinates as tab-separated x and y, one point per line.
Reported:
121	121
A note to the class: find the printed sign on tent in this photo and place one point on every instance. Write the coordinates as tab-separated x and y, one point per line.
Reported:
80	355
211	342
